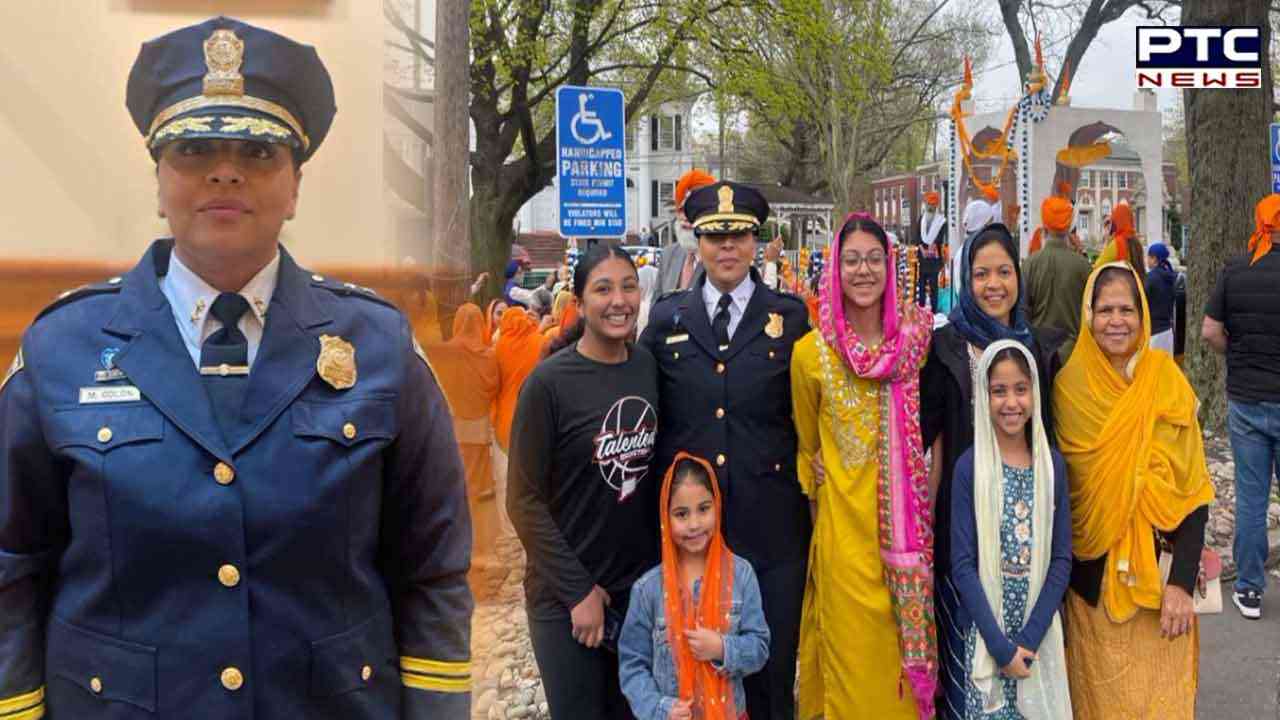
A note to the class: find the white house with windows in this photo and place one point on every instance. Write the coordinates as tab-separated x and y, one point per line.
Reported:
659	149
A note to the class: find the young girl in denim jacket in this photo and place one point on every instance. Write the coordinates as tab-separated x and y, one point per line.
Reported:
695	626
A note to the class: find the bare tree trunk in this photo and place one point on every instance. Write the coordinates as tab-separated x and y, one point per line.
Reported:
1228	158
450	258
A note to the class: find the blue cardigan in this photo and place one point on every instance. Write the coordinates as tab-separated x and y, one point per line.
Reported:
974	607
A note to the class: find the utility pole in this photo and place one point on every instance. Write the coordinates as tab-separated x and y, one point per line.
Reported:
450	187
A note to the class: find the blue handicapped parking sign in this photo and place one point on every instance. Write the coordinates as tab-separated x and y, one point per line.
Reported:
591	175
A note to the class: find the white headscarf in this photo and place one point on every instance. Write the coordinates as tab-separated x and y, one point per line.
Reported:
1044	695
977	215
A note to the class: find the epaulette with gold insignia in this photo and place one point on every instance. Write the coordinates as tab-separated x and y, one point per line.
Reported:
670	294
347	289
84	291
14	369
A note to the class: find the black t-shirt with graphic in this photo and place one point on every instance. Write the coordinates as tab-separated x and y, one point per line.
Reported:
579	489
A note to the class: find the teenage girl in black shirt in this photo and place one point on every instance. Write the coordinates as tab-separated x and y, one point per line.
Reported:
579	491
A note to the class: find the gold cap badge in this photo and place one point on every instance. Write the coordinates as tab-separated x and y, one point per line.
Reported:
773	328
337	362
726	199
223	56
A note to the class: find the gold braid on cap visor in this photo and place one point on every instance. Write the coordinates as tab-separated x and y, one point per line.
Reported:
248	102
726	223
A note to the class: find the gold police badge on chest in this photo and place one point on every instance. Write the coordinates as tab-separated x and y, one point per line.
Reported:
336	363
773	328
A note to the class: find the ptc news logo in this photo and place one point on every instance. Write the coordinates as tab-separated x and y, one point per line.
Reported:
1199	57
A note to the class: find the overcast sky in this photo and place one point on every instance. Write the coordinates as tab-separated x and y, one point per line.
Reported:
1106	77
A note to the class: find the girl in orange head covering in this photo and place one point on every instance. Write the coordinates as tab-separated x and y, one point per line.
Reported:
694	590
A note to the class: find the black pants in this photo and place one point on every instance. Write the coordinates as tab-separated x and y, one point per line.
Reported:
771	692
580	683
929	269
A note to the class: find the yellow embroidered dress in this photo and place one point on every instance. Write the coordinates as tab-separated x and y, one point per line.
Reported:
850	665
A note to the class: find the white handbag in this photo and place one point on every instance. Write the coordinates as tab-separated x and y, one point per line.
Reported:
1207	597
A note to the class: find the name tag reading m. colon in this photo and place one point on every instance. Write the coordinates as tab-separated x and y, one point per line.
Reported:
114	394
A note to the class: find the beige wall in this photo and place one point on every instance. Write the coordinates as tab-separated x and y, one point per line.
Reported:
76	180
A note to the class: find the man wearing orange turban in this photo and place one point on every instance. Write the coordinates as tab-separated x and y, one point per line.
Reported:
1055	274
679	258
933	235
1242	321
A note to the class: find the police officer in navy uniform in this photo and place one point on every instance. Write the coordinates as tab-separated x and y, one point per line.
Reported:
229	488
724	355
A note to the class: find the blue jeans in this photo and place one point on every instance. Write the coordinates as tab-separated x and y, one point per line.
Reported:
1255	444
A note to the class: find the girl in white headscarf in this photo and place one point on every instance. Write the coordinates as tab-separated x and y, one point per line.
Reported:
1011	549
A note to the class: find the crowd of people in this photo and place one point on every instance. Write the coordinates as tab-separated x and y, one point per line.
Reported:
770	506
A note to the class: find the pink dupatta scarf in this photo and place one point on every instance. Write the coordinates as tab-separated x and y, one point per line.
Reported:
905	523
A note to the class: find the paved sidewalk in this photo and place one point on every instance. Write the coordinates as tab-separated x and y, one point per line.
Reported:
1240	661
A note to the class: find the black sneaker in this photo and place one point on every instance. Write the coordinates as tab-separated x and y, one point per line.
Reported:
1249	602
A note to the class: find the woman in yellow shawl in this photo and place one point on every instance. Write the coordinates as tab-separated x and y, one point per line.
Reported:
1126	423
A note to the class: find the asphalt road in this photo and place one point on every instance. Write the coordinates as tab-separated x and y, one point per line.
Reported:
1240	661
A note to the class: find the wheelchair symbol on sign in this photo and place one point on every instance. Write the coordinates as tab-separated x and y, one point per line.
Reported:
590	119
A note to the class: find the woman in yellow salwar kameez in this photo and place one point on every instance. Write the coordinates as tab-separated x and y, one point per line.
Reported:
867	638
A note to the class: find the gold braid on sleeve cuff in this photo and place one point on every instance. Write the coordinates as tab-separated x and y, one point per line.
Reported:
435	675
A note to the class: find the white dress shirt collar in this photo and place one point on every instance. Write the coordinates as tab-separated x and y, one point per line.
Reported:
191	298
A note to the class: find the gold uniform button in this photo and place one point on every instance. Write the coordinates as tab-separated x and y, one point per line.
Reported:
719	412
720	460
95	684
223	474
349	431
770	354
366	673
675	356
777	467
719	368
104	435
229	576
232	679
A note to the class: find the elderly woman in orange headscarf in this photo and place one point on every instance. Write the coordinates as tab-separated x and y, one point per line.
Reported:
1126	424
518	349
468	374
1124	245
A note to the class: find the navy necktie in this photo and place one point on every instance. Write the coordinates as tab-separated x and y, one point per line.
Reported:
720	323
224	361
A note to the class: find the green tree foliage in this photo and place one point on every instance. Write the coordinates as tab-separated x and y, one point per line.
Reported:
834	88
522	50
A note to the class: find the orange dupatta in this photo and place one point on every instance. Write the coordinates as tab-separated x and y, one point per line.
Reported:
518	349
710	690
1122	230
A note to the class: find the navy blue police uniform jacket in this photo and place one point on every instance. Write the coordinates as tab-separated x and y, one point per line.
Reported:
310	565
733	408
